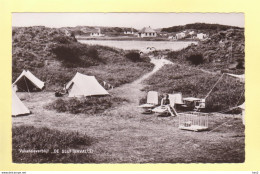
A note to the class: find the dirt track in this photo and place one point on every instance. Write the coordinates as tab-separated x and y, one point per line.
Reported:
132	92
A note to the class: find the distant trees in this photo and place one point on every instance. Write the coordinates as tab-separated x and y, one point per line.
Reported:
198	26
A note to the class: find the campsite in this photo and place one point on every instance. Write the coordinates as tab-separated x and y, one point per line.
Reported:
106	101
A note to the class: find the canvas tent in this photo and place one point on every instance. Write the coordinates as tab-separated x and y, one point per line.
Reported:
18	108
27	82
83	85
240	77
242	107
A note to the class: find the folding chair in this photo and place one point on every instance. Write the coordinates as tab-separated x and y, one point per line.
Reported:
152	101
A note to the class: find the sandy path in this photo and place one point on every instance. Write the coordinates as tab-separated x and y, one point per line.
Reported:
132	91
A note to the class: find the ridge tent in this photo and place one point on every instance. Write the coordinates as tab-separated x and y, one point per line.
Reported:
18	108
242	107
83	85
240	77
28	82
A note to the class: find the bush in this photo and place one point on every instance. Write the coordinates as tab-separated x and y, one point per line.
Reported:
92	52
77	54
89	105
195	58
31	138
62	39
67	52
133	56
173	55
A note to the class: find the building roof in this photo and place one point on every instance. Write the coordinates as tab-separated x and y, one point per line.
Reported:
147	30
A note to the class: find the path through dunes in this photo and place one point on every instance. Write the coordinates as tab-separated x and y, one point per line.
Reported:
132	92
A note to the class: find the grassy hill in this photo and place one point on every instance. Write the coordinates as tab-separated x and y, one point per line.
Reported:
223	51
55	58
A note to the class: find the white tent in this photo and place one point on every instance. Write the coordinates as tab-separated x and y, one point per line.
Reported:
28	82
242	107
83	85
240	77
18	108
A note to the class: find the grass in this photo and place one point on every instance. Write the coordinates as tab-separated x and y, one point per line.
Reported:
193	82
127	136
31	138
89	105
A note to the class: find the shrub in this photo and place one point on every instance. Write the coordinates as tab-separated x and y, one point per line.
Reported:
92	52
77	54
133	56
88	105
67	52
62	39
195	58
173	54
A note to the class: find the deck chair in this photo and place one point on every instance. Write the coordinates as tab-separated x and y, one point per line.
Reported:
178	99
164	110
152	101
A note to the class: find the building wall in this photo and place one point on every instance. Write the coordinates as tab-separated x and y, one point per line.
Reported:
180	35
148	35
201	36
128	32
96	34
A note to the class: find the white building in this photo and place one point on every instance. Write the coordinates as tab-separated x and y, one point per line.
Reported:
172	37
147	32
96	33
201	36
129	31
180	35
191	33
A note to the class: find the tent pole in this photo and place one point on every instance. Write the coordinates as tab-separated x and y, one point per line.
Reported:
27	86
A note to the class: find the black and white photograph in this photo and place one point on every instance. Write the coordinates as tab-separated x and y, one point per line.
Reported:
128	88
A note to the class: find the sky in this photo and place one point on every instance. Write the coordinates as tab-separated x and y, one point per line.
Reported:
135	20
